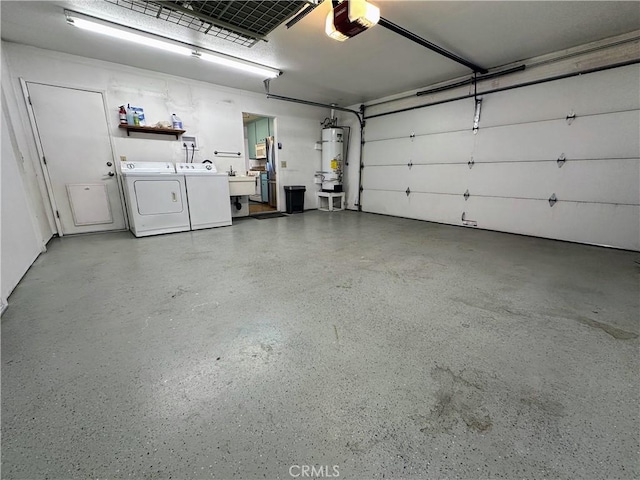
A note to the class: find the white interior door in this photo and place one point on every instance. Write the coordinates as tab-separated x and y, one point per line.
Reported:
74	136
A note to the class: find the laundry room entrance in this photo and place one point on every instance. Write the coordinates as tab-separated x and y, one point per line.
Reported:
260	147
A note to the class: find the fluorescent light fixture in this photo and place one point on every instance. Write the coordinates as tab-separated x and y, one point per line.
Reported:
238	64
123	33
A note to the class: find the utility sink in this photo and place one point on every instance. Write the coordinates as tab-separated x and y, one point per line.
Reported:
239	186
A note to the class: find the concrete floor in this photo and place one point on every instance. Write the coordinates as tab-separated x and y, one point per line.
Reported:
388	348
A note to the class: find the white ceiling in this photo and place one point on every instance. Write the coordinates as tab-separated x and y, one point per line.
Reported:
374	64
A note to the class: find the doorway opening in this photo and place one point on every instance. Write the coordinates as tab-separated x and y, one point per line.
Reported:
260	155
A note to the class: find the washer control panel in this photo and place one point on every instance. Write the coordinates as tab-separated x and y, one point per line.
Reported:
196	168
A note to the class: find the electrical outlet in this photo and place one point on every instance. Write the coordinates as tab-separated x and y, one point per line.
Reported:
123	158
191	142
283	164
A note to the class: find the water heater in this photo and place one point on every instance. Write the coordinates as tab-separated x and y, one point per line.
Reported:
332	159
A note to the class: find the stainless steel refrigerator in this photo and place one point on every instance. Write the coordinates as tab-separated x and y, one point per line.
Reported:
271	173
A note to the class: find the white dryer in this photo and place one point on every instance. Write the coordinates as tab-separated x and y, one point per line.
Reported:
156	198
207	194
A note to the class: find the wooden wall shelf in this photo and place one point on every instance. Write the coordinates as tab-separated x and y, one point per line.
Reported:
160	131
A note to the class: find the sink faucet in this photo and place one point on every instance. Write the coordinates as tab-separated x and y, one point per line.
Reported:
231	172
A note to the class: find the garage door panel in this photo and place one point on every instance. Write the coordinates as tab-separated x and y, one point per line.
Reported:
598	224
602	92
430	207
450	147
613	181
600	136
384	178
438	118
453	179
599	92
388	152
605	181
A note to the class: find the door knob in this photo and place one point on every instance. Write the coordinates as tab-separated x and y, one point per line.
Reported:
111	174
109	164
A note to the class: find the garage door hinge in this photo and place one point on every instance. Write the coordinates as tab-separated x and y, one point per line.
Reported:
476	116
408	191
466	195
412	136
44	160
57	214
571	117
471	163
561	160
362	189
552	200
410	164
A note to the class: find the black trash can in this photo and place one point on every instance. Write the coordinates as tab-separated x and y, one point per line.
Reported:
295	198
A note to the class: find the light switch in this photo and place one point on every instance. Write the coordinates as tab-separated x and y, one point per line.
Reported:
283	164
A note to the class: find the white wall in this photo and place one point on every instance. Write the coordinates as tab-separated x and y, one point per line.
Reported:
22	136
20	240
212	113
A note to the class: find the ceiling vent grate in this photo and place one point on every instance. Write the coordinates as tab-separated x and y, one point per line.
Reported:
244	23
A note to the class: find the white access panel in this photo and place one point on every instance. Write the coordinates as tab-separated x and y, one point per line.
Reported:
89	204
158	197
208	198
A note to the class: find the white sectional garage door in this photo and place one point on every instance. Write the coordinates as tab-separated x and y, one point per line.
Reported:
420	163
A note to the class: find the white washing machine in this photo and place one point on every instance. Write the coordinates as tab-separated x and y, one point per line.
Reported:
207	194
156	198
